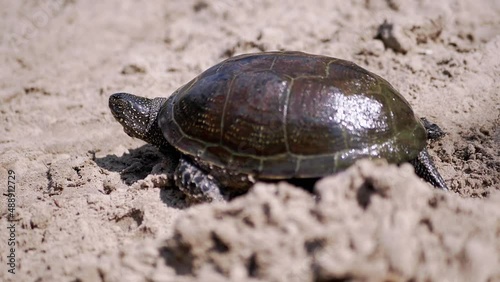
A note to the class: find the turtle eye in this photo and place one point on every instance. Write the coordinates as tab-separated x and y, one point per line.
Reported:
120	105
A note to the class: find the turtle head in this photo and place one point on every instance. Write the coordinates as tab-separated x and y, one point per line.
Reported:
138	116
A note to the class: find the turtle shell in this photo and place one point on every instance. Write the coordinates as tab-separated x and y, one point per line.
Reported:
290	114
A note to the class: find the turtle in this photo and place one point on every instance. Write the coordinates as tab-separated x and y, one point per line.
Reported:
274	116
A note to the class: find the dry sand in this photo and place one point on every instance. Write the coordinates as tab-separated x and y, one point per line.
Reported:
91	204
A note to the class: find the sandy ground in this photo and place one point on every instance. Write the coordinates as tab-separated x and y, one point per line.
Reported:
91	206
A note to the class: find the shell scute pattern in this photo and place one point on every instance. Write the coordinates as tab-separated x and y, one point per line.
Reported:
278	114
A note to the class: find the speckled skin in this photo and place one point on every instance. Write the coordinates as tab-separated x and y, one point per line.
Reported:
277	115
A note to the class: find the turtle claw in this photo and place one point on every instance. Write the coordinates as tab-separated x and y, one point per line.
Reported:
196	184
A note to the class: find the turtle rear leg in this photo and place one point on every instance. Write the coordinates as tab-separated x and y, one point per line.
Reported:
434	132
425	168
196	183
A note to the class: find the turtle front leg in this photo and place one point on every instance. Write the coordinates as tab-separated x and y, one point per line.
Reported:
196	183
425	168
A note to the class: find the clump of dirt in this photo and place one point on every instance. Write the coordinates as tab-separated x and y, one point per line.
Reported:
372	222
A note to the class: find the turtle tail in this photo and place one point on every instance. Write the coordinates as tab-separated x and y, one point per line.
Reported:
425	168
